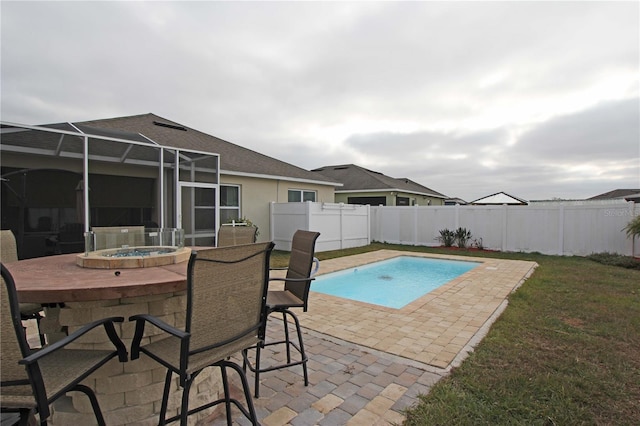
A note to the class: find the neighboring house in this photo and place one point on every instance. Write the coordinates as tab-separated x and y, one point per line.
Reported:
363	186
499	198
619	194
42	168
454	201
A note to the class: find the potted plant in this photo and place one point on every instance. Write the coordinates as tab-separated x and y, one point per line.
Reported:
243	222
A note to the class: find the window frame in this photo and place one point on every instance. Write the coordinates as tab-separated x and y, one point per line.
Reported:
301	193
238	208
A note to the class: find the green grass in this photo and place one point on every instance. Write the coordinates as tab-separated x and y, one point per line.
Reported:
566	351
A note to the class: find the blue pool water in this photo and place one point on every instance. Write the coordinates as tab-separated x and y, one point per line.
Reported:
392	283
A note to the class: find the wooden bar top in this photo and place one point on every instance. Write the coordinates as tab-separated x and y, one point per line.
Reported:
55	279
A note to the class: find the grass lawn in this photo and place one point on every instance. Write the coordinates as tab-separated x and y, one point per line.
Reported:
566	351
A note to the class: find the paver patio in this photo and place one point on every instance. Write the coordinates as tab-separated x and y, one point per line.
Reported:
366	362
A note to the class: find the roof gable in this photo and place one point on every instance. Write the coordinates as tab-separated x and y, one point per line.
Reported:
500	198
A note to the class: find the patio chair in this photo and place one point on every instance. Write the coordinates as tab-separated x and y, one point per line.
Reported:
236	234
226	296
32	380
9	253
295	295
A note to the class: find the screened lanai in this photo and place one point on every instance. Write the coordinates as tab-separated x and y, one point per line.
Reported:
61	176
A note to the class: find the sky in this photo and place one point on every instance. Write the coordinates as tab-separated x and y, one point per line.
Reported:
537	99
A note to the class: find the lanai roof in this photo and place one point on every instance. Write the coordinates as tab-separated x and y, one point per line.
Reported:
234	159
355	178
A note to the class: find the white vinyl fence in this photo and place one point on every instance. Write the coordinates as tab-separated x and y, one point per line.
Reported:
549	229
340	225
561	229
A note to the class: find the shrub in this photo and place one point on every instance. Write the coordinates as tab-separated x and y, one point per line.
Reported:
633	228
613	259
462	236
447	237
244	220
477	243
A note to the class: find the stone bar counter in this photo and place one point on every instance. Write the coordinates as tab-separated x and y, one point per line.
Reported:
129	393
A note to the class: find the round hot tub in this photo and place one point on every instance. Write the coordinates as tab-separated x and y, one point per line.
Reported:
133	257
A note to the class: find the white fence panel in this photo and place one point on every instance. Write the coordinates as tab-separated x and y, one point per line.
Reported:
530	229
387	224
549	229
597	229
486	224
340	225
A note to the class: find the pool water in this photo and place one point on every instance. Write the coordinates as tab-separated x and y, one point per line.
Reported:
393	283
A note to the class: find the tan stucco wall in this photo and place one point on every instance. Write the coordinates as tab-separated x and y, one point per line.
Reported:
257	194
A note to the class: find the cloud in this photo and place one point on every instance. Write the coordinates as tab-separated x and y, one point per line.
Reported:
607	132
468	98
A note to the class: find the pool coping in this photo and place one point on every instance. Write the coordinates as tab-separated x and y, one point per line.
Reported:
438	329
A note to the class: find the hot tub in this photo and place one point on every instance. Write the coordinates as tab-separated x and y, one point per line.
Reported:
133	257
132	247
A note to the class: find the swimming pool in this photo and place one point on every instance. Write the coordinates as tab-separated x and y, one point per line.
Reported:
393	283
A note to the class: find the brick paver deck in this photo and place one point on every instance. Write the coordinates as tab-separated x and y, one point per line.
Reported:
367	363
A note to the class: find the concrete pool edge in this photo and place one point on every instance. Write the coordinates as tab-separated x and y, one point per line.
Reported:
437	329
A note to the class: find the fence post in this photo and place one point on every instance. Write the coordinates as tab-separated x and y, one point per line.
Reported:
561	231
272	221
504	226
307	212
341	226
632	215
368	208
415	225
457	217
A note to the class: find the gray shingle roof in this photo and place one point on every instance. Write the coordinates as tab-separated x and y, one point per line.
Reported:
616	193
356	178
234	159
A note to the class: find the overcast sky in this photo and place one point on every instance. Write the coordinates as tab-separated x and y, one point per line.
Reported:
537	99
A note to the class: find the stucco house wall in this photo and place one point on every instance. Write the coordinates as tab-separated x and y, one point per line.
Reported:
256	194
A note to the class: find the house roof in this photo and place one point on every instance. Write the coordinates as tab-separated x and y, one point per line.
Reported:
455	200
234	159
500	198
358	179
617	193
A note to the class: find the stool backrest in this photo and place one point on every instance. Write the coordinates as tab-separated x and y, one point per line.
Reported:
301	260
8	248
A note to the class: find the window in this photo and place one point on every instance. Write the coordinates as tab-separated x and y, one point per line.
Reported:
402	201
300	195
229	203
372	201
